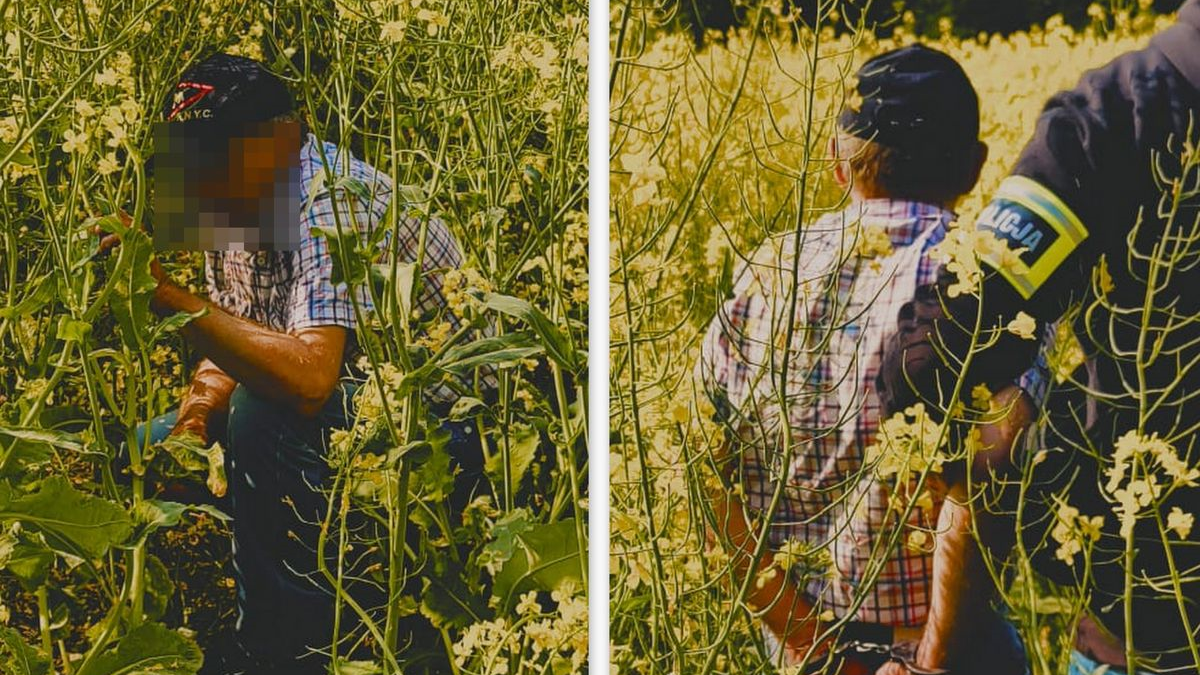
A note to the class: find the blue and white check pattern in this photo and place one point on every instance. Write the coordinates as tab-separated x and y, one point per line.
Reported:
290	290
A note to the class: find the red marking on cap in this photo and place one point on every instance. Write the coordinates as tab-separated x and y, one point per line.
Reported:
202	91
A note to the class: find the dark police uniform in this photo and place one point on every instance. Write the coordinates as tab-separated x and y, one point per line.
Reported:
1088	193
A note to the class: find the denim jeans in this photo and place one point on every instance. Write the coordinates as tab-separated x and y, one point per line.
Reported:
1085	665
276	469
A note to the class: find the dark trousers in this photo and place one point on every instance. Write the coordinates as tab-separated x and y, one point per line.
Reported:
278	481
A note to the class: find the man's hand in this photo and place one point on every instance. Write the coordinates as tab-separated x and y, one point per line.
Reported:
110	241
299	369
208	397
194	422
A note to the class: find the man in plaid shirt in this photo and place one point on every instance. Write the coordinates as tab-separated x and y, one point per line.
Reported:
277	336
790	362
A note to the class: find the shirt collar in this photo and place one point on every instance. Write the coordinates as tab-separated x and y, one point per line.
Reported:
902	219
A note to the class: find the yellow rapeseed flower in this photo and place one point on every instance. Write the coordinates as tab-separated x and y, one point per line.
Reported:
1179	522
1023	326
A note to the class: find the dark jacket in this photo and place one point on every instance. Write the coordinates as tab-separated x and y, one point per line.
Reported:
1089	186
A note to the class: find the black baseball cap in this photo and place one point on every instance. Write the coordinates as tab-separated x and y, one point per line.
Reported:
227	90
916	99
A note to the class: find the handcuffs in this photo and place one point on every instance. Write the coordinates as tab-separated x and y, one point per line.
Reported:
871	645
874	655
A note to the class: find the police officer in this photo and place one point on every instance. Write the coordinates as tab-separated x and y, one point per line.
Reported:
1085	207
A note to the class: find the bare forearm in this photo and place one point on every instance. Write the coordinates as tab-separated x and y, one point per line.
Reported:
962	588
787	613
275	365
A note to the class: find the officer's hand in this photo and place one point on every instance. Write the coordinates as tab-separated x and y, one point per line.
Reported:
892	668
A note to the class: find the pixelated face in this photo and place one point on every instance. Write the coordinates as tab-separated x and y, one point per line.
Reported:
223	189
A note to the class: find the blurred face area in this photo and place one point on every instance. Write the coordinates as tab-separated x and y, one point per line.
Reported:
227	189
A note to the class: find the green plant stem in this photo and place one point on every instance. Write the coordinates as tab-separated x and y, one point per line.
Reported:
43	606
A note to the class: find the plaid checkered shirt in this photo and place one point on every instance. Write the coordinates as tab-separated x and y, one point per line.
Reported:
290	290
837	321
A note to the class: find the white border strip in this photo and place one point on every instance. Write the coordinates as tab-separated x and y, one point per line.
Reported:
598	310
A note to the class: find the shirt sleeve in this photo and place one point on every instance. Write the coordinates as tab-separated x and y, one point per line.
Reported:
718	355
1051	209
315	299
430	241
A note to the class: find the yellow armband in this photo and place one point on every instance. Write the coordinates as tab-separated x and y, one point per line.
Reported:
1034	221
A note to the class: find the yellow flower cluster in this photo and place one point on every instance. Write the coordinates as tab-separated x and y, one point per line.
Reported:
1142	468
1179	522
464	289
644	173
1073	531
556	641
873	242
908	444
791	553
963	249
369	399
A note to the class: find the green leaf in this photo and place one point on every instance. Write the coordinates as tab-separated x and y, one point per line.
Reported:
71	330
345	667
558	347
173	323
26	558
133	286
44	291
185	449
18	658
216	481
725	276
547	556
355	187
521	451
464	407
401	280
59	439
81	523
149	649
349	264
500	352
504	538
28	445
159	588
410	194
447	602
190	456
1053	604
562	666
418	379
21	158
434	476
110	224
152	514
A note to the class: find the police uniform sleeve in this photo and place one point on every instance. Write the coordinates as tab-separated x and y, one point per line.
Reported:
1043	210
